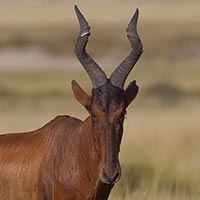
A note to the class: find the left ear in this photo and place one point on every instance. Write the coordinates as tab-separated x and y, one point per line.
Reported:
80	94
131	92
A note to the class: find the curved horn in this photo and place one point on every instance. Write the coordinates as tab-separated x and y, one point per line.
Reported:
118	77
95	73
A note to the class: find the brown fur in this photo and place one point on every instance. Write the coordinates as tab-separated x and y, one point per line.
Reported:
67	159
50	163
70	159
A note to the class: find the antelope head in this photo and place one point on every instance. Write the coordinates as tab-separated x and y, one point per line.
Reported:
109	100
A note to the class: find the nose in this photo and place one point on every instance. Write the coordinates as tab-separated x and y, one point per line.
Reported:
112	177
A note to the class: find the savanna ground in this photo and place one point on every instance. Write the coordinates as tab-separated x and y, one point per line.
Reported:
161	143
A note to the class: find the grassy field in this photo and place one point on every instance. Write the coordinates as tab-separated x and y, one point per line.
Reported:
54	26
160	147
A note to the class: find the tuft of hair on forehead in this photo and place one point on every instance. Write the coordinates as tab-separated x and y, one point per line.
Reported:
108	95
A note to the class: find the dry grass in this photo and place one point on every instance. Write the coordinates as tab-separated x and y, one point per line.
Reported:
54	25
160	148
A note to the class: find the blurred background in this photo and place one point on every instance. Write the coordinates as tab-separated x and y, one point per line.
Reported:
161	143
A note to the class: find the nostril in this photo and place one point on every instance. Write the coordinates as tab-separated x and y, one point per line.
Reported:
110	179
116	176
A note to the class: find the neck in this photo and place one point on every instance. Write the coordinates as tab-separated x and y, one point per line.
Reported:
87	147
87	158
98	190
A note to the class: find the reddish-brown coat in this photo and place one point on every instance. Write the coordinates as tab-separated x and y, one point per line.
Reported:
56	162
70	159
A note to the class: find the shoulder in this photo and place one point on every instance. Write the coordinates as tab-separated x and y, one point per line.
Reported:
66	119
63	120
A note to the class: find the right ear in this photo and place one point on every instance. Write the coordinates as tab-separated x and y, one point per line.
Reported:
131	92
80	94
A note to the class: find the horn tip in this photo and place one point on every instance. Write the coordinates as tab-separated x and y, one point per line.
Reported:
136	14
134	19
78	12
76	9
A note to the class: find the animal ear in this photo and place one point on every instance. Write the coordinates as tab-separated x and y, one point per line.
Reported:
131	92
80	94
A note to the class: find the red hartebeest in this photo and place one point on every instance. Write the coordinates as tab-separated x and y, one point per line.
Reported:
70	159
